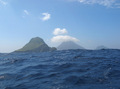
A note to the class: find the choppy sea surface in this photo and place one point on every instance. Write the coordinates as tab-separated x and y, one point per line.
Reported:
69	69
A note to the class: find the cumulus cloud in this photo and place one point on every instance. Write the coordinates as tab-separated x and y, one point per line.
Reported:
46	16
108	3
59	31
60	38
26	12
3	2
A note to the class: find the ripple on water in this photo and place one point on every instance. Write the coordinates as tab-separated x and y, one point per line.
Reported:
70	69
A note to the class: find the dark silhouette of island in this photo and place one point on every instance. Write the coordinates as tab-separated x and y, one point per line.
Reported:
69	45
101	47
36	45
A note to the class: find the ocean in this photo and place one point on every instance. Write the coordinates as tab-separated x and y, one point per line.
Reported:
68	69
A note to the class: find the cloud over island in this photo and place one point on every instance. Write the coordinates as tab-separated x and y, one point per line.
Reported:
60	36
59	31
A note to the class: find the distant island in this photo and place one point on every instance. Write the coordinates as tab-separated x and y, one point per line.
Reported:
36	44
101	47
69	45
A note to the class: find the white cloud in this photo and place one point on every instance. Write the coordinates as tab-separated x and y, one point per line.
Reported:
59	31
107	3
26	12
3	2
60	38
81	1
46	16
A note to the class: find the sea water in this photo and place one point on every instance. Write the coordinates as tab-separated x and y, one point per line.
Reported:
68	69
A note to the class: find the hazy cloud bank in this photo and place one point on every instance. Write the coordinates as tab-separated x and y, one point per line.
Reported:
107	3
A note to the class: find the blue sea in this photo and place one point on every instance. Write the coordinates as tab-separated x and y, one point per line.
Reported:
68	69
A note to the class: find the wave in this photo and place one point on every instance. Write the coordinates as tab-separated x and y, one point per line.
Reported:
69	69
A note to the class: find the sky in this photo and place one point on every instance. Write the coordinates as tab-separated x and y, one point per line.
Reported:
89	23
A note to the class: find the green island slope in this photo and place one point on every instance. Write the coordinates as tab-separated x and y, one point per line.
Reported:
36	45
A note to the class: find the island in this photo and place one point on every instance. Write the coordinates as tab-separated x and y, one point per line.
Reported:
69	45
36	44
102	47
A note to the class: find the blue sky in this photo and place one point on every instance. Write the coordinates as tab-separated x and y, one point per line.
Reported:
89	23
